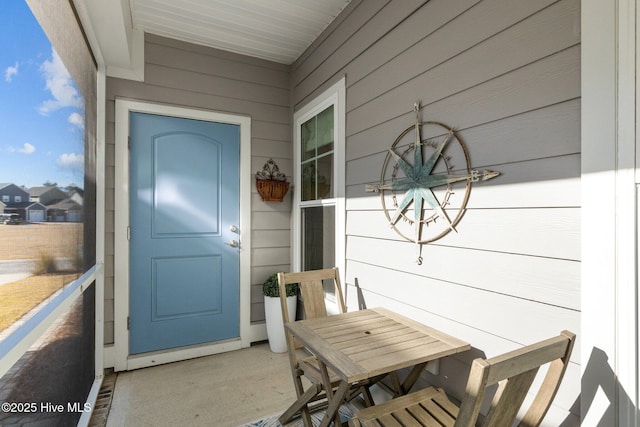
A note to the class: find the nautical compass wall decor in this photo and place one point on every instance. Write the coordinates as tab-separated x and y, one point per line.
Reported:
432	172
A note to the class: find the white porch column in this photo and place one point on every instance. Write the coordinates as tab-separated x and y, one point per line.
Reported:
609	341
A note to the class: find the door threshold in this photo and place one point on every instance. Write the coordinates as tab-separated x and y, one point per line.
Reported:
145	360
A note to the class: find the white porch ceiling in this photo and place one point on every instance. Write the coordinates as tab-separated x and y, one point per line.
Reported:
276	30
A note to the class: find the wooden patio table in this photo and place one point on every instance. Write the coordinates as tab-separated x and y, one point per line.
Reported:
363	345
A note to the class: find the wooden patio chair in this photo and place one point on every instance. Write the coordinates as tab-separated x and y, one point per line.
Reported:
513	371
303	363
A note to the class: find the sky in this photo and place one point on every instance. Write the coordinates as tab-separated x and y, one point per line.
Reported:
41	109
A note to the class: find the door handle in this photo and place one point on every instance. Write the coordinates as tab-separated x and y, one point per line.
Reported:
233	243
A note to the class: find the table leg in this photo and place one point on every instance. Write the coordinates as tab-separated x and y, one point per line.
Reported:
413	376
298	406
395	384
334	404
334	399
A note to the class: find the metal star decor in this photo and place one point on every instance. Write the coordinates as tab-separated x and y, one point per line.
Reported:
421	179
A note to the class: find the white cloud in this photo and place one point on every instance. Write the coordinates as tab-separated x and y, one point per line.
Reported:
10	72
60	84
26	149
77	120
71	161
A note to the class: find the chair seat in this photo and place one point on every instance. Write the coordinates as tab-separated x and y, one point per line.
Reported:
427	407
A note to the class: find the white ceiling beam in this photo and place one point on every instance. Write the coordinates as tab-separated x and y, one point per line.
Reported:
121	46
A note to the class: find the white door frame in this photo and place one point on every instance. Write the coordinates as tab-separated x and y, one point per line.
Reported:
123	360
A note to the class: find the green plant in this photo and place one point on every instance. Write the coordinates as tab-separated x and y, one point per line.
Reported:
44	264
270	287
77	262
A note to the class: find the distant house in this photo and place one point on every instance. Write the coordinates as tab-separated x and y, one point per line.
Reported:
11	193
66	210
61	206
28	211
76	194
15	199
47	195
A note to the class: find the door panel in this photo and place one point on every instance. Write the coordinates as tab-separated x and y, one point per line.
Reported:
184	197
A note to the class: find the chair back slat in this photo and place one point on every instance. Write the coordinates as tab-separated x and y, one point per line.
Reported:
515	372
549	387
312	291
509	398
312	294
526	358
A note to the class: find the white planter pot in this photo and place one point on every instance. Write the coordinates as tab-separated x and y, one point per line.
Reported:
275	324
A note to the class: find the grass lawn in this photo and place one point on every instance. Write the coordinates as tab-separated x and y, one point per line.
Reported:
18	298
33	241
29	241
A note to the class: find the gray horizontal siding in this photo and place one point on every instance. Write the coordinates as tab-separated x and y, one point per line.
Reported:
506	75
183	74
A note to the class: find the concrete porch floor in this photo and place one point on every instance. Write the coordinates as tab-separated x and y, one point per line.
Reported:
223	390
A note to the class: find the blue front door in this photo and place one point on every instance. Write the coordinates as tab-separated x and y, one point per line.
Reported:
184	207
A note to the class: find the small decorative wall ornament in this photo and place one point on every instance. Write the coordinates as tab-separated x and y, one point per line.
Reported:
272	184
437	181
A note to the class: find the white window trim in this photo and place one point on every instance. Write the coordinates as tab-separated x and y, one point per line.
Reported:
334	95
